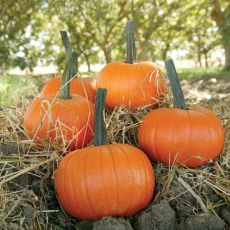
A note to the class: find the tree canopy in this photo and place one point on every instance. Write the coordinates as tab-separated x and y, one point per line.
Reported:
29	30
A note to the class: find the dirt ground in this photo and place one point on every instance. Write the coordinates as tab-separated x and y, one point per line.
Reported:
184	198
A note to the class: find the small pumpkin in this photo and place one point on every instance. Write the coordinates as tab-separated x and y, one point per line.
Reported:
66	119
181	136
94	182
83	86
129	83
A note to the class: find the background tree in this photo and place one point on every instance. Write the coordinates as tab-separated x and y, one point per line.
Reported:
158	25
15	16
94	24
199	30
221	15
96	29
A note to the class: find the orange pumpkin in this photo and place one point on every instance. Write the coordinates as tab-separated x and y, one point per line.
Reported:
94	182
85	87
66	119
131	84
180	135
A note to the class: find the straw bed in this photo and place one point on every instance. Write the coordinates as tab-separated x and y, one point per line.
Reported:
26	170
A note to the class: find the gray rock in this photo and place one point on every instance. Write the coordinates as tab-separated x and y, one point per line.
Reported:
29	213
9	149
184	203
160	217
13	226
21	181
205	221
226	214
109	223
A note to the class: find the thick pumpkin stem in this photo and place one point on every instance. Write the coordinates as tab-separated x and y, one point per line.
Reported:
66	77
99	123
178	95
131	49
68	50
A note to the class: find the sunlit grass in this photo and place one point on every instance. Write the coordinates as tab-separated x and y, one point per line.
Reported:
198	72
14	88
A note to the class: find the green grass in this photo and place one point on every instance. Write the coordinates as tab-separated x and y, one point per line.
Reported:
14	88
202	72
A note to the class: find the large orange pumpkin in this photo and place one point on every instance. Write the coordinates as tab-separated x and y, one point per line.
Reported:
66	119
131	84
180	135
94	182
83	86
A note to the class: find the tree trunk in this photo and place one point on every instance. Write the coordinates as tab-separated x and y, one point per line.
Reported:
164	54
167	45
199	57
227	56
88	65
165	51
222	17
206	59
199	52
107	54
196	63
144	51
87	62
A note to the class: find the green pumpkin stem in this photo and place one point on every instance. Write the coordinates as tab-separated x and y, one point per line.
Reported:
99	123
178	95
68	50
131	49
66	77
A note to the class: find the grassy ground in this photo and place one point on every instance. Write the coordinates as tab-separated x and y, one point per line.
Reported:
27	196
201	72
13	88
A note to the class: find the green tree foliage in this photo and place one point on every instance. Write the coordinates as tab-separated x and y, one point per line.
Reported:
221	15
200	32
15	16
30	29
95	26
156	24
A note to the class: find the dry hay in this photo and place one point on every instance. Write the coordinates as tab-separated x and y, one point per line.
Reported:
27	196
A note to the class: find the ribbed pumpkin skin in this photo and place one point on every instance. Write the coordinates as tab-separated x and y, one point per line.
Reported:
76	116
85	87
188	137
131	85
116	180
